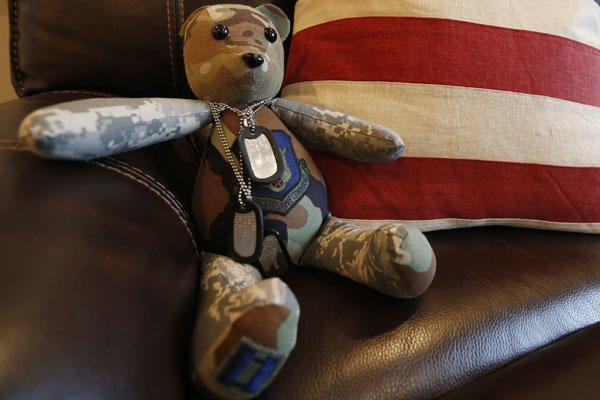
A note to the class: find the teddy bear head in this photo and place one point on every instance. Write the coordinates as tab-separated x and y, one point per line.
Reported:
234	53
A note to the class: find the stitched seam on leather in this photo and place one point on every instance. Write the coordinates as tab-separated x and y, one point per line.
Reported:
15	46
10	145
157	188
165	195
8	149
76	91
181	14
147	176
169	195
170	36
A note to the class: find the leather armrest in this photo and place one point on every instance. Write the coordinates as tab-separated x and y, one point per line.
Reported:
98	267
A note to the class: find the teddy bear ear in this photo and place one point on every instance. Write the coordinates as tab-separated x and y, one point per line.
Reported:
277	17
189	19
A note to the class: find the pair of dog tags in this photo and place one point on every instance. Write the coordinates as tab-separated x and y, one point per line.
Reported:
263	163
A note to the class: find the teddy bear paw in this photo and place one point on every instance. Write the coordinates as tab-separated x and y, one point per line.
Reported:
403	258
250	349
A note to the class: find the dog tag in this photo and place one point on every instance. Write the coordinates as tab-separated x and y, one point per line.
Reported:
261	154
247	233
274	259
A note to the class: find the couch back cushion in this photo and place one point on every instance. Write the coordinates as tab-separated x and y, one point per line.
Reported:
129	48
498	103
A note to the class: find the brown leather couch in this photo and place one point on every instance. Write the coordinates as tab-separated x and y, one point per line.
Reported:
99	261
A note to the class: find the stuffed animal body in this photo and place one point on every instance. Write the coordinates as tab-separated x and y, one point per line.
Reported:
294	205
247	317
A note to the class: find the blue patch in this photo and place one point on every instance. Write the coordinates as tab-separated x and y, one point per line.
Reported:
268	366
248	369
282	194
317	193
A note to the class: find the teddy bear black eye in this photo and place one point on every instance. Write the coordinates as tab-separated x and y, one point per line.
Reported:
220	31
270	35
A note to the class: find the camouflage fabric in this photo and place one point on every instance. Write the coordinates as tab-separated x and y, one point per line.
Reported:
394	259
294	205
240	312
216	69
342	134
278	18
94	128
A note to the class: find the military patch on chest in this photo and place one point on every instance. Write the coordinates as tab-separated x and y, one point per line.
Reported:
283	193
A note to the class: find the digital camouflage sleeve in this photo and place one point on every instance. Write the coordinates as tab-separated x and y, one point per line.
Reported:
340	133
94	128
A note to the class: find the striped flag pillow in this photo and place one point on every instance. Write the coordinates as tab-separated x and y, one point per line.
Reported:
498	103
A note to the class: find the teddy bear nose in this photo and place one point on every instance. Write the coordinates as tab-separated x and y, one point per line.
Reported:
253	60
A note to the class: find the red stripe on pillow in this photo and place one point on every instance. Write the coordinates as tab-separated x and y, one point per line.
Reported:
427	188
447	52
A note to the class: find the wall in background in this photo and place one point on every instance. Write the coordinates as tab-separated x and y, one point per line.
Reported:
6	90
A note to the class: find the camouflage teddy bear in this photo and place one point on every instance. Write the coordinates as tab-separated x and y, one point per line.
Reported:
260	202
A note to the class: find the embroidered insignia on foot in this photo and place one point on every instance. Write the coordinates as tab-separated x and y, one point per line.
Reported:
249	368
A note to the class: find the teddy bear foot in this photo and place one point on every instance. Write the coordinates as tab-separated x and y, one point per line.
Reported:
401	260
248	357
242	339
394	259
248	354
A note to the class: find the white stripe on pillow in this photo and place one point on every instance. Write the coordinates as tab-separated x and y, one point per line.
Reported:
467	123
574	19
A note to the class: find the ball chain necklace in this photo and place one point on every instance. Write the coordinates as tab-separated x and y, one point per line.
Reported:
261	161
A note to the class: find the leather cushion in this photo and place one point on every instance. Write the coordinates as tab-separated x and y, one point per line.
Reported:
499	293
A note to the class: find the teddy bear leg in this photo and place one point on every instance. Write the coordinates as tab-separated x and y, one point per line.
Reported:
394	259
245	329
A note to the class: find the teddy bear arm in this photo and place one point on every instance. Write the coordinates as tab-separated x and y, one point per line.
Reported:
93	128
343	134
